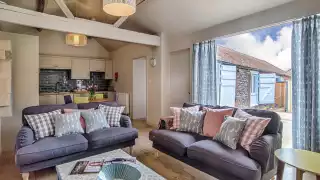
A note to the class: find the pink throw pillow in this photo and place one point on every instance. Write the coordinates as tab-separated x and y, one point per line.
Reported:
213	120
176	113
253	129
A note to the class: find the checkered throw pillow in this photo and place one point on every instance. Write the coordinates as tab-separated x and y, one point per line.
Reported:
113	114
176	111
42	124
253	129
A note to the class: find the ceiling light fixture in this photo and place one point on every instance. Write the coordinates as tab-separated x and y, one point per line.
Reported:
119	7
76	39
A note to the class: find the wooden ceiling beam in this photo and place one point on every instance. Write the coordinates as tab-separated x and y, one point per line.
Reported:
64	8
35	19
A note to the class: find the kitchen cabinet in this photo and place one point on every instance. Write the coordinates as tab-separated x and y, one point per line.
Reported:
80	69
109	70
60	98
97	65
47	99
55	62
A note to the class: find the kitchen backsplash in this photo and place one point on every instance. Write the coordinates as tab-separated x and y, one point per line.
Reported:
61	79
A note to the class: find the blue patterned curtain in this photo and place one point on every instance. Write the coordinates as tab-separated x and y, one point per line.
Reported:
306	83
204	89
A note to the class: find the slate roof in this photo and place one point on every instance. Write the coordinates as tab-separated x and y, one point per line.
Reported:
234	57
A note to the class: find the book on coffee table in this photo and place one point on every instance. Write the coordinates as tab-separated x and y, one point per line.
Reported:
83	167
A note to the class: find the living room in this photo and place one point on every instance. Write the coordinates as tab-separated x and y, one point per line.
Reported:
148	55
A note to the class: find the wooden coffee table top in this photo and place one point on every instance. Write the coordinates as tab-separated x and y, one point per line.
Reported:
304	160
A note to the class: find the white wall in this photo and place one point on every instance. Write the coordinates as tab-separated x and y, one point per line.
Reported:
25	79
53	43
290	11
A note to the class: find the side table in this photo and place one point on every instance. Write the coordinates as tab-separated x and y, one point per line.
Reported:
303	161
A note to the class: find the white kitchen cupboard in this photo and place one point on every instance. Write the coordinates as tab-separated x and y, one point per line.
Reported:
47	99
108	70
80	69
97	65
55	62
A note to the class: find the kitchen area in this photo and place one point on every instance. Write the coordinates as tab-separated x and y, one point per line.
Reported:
61	76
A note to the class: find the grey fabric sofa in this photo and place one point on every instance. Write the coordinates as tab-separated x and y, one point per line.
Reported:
220	161
34	155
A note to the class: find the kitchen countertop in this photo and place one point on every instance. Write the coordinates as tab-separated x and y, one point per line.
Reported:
61	93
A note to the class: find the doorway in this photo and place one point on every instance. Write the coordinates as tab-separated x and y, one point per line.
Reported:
139	91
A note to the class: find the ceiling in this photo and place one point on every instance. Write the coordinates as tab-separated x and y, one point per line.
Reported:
187	16
154	16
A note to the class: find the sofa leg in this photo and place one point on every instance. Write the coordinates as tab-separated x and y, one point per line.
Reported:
25	176
131	150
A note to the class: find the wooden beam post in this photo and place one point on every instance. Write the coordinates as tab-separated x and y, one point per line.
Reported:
65	8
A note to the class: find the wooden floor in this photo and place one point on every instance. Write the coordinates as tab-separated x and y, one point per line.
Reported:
164	165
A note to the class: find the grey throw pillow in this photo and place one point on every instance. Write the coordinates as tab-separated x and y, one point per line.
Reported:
95	120
191	121
67	124
230	131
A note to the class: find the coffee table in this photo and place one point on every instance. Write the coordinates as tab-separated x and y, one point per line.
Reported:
303	161
64	170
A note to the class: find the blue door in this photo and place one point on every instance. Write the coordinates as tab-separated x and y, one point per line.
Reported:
227	85
254	100
267	84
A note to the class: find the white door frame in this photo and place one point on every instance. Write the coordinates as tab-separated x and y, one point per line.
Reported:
146	84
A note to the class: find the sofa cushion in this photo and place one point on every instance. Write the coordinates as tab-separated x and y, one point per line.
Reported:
44	109
224	159
51	147
274	125
177	142
96	104
110	136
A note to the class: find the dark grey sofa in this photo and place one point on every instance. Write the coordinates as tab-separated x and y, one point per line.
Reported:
219	160
34	155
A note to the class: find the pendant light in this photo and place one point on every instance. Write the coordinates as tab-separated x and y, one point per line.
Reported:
74	39
119	7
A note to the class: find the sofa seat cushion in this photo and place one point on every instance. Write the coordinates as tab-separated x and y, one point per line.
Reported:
110	136
176	142
224	159
51	147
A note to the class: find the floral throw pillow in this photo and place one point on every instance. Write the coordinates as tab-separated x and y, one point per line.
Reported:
67	124
191	121
230	131
95	120
176	113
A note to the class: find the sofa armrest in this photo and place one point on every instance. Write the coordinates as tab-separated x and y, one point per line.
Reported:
262	150
125	121
25	137
165	122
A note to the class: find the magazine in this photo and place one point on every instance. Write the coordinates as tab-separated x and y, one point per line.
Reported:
83	167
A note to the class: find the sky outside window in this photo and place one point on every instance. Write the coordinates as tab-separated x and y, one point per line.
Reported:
271	44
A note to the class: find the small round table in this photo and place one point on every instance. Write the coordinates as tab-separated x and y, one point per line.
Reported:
303	161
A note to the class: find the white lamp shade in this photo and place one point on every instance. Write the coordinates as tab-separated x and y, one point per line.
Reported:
76	39
119	7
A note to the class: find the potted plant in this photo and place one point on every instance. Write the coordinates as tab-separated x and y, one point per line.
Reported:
92	91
